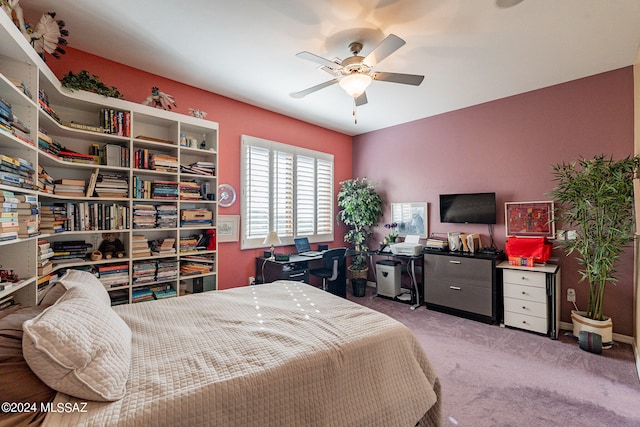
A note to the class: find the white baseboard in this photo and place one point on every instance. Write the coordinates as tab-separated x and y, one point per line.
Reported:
637	353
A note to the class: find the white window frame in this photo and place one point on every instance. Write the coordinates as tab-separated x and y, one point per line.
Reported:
277	147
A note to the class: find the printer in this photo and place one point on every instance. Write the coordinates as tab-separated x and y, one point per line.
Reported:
410	247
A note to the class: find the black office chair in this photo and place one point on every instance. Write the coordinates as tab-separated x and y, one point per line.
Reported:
333	264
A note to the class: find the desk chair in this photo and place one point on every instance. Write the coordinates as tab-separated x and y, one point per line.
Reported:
333	263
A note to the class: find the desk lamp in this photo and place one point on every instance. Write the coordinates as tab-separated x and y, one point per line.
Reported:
272	239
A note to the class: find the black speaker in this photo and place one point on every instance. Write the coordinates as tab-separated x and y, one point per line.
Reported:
323	247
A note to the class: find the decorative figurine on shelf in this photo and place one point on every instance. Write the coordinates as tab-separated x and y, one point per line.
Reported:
197	113
111	246
47	35
8	276
159	99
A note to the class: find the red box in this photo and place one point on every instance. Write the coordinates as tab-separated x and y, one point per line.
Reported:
529	247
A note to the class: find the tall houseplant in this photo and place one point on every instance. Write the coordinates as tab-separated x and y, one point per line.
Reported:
595	198
360	209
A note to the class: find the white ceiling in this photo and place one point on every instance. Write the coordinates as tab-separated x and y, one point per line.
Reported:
469	50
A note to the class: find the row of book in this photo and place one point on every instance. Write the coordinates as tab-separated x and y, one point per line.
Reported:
115	122
43	102
114	275
70	251
58	217
156	189
145	159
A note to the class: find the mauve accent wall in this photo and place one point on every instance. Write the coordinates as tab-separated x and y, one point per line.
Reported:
235	118
507	147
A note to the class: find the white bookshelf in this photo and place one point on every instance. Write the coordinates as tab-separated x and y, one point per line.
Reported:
19	61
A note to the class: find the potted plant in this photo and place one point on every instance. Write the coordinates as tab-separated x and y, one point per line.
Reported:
360	208
595	198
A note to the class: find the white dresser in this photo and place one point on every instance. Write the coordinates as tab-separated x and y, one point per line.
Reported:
531	298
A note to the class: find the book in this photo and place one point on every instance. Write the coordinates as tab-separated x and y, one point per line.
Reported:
92	183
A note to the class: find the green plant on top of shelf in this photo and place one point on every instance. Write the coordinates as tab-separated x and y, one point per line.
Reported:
90	83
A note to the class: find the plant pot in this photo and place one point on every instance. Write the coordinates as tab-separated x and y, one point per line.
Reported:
359	287
358	274
604	328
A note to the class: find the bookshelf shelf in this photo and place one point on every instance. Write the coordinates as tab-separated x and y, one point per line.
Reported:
129	127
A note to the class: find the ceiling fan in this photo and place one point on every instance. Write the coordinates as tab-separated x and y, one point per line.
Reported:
355	73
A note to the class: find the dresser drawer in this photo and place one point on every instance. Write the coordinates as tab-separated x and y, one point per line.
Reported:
521	321
529	293
477	272
473	299
528	308
527	278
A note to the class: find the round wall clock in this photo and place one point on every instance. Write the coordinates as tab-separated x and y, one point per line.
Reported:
226	195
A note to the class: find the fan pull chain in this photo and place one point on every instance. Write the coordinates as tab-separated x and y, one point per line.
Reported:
355	116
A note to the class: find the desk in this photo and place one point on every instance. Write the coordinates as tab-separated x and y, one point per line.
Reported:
296	269
410	262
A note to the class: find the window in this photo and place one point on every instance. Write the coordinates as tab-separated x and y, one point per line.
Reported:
286	189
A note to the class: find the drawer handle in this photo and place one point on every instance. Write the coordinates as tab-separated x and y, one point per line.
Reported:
296	275
524	293
524	308
455	262
524	278
455	288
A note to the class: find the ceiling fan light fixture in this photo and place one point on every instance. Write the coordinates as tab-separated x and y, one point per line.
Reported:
355	84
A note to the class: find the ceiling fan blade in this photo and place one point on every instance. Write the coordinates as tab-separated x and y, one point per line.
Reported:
362	99
319	60
384	49
406	79
312	89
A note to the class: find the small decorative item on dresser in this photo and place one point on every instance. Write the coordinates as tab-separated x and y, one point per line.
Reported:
197	113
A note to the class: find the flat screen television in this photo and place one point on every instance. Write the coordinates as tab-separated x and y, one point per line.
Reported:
470	208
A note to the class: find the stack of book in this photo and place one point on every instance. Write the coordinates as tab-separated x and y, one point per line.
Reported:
6	117
70	251
163	246
144	272
45	182
144	216
45	252
167	216
139	246
16	172
188	244
52	218
112	186
28	215
44	283
199	168
9	225
48	145
119	297
69	155
141	294
164	190
167	269
114	275
162	292
7	302
190	190
70	187
163	163
43	102
196	264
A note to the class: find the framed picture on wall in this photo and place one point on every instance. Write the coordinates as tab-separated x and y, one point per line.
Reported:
412	218
228	226
532	219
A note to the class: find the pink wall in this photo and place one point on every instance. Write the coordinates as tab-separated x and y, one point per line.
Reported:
235	118
508	146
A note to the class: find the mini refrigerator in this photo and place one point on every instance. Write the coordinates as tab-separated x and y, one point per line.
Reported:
388	277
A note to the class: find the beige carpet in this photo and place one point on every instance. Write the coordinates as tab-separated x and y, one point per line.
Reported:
493	376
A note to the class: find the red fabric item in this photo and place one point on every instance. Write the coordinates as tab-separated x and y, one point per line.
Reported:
535	247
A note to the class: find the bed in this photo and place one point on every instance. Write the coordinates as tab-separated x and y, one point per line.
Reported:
280	354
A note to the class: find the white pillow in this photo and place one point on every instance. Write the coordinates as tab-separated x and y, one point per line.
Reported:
73	278
79	346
